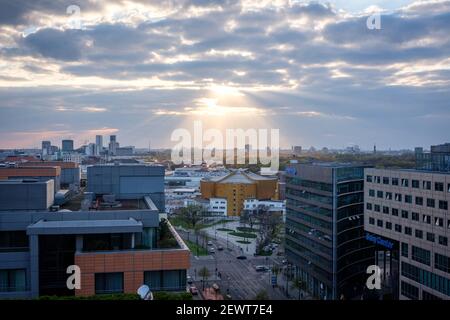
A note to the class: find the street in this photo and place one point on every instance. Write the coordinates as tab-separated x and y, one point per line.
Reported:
238	277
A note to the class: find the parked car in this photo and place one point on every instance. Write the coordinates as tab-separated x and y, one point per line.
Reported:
189	280
210	243
215	286
193	290
220	248
211	250
241	257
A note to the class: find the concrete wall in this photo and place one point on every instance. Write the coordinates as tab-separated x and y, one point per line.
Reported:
27	196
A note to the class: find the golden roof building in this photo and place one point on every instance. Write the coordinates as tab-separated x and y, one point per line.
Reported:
238	186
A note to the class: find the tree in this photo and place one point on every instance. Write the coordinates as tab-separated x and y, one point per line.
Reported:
300	285
262	295
192	214
204	273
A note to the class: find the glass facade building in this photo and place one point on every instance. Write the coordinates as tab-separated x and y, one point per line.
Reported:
325	238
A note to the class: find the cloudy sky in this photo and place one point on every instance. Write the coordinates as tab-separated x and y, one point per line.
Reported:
141	69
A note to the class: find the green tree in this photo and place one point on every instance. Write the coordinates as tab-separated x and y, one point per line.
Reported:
192	214
262	295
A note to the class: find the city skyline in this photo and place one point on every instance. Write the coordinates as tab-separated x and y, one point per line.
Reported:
313	70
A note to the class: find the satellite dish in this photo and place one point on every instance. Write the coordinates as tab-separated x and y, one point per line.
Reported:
145	293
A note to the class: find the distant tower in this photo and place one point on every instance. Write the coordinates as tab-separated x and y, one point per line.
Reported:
98	144
374	149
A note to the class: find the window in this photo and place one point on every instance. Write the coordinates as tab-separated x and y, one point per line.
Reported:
426	185
386	210
377	208
448	187
385	180
438	222
430	203
408	198
371	193
414	216
408	231
395	181
419	201
106	283
377	179
430	237
415	184
369	178
12	280
442	262
443	241
388	195
421	255
405	183
388	225
380	223
419	234
405	214
13	241
410	291
380	194
368	206
371	221
429	296
398	197
438	186
398	228
395	212
426	219
166	280
443	205
404	250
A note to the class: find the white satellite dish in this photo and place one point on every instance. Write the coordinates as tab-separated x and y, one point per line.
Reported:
145	293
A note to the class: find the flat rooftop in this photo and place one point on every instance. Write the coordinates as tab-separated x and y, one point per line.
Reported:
75	204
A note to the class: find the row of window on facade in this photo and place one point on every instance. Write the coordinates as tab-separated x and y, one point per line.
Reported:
14	280
405	214
431	237
426	185
419	201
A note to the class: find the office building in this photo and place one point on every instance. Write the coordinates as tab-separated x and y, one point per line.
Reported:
119	244
128	181
67	146
46	148
98	144
438	159
70	171
238	186
407	215
324	228
40	173
113	145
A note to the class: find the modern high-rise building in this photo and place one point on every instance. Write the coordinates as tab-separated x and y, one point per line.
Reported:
113	145
438	159
325	228
67	145
407	215
46	147
98	144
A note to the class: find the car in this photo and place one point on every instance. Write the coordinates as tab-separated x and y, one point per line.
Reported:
193	290
210	243
211	250
261	268
215	286
189	280
220	248
241	257
284	261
